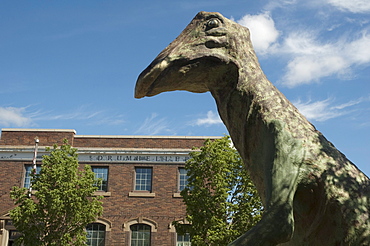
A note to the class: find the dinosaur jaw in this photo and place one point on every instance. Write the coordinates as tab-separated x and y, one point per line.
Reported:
177	74
147	79
169	75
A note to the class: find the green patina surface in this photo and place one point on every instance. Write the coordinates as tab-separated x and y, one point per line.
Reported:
312	194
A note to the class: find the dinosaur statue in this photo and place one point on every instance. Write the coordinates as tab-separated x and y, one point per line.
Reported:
312	194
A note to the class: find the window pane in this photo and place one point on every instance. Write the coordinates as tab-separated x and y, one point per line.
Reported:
183	178
183	240
140	235
102	174
143	179
95	234
27	175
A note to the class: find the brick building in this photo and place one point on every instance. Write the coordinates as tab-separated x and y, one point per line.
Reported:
142	175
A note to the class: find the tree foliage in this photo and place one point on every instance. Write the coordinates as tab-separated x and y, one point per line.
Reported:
61	205
221	201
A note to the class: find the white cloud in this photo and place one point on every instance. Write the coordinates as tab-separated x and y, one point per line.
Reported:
358	51
263	31
310	54
302	42
110	121
319	111
76	115
325	110
271	5
311	60
153	125
14	117
352	103
83	113
306	69
210	119
354	6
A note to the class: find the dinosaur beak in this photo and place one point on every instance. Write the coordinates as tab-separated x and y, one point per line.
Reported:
165	73
173	69
170	74
147	79
182	65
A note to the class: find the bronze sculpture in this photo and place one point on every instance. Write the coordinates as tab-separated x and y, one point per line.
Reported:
312	194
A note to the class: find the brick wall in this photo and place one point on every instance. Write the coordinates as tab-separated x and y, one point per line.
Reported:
47	137
119	207
138	142
11	175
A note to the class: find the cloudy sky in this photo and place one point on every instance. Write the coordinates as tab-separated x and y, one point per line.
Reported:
74	64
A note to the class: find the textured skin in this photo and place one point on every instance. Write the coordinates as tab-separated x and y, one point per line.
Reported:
312	194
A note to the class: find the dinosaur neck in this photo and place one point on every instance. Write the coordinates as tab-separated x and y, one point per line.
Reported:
243	99
252	110
238	107
249	100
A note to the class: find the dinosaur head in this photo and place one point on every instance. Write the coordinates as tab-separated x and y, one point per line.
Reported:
200	55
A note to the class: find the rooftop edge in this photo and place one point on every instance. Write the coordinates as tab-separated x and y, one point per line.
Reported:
105	136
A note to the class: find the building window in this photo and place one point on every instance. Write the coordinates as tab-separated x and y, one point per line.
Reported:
140	235
183	240
13	236
27	175
102	174
95	234
143	181
183	178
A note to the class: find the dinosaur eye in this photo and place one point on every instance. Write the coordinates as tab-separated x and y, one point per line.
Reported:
212	23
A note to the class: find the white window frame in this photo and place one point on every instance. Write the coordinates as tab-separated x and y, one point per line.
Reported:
140	235
181	177
99	175
142	182
140	220
97	234
27	174
185	240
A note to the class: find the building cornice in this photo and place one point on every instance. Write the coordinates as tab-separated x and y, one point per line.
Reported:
106	136
36	130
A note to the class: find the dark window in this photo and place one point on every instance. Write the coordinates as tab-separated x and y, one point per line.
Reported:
102	174
140	235
183	240
95	234
27	175
183	178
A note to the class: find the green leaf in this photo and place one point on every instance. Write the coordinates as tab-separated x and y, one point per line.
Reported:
221	201
63	204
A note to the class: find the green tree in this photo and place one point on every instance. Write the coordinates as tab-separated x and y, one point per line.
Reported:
221	201
62	203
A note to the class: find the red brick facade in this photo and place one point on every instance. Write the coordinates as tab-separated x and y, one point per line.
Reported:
123	205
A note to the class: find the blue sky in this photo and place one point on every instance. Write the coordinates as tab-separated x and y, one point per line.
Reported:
74	64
